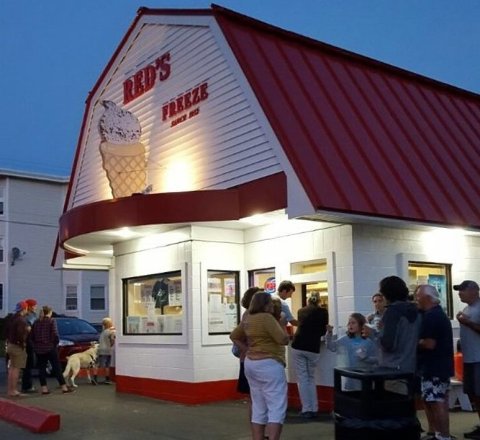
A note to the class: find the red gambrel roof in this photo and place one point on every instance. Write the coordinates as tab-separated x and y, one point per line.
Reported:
364	137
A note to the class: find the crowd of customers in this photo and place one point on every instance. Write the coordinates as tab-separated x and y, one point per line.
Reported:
31	342
404	333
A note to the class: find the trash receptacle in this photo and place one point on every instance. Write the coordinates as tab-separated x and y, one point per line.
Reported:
372	412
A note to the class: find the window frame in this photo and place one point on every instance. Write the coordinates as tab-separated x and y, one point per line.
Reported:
92	286
224	289
270	284
173	301
446	293
67	297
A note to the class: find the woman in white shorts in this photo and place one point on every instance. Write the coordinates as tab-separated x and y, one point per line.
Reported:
264	366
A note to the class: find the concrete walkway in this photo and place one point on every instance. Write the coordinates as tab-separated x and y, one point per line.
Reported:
99	412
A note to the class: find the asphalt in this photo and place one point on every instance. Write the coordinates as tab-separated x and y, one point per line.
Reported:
99	412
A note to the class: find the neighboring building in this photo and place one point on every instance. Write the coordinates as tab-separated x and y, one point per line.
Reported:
219	152
29	208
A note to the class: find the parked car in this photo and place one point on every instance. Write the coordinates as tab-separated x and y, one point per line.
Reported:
98	326
75	335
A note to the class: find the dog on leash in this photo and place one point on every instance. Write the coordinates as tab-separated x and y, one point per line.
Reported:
86	359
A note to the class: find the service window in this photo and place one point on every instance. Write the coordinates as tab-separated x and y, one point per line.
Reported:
153	304
436	274
223	301
263	278
320	289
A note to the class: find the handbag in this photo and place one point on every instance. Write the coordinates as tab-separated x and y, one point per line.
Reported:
236	350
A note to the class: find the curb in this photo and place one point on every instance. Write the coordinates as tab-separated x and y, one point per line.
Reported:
34	419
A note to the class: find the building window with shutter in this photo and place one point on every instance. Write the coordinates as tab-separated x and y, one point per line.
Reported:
1	296
71	298
97	297
1	250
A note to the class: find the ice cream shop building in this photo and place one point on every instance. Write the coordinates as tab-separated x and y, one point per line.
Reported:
218	152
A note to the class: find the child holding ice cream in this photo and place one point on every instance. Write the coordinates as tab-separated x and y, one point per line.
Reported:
357	352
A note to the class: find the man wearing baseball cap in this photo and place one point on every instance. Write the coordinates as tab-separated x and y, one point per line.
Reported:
16	332
469	319
434	361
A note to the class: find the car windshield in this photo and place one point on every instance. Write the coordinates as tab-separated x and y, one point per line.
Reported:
74	327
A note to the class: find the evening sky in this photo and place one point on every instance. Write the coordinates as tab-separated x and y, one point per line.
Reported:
53	51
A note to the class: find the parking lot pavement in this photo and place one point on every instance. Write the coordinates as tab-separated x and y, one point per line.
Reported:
99	412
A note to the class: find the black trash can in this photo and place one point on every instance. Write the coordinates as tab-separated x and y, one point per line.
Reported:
373	413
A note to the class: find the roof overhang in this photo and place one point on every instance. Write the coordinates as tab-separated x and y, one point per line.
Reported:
89	232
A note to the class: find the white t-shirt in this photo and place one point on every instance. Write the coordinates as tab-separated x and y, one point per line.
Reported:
470	339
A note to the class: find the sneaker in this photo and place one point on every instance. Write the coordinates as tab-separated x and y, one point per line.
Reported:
107	382
474	433
29	390
308	415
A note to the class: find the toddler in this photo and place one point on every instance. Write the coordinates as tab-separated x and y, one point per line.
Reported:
105	348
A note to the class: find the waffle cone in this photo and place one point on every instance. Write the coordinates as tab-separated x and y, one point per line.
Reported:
125	166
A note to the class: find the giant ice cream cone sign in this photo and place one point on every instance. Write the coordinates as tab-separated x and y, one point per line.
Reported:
123	155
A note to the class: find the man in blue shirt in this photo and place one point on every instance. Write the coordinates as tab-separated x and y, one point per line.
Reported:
435	361
285	291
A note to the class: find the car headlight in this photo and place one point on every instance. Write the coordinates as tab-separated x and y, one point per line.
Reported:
65	343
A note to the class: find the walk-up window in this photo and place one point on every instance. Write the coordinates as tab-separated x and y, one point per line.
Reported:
436	274
310	277
223	301
153	304
263	278
314	288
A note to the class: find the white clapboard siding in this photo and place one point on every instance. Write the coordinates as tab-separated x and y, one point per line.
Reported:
223	146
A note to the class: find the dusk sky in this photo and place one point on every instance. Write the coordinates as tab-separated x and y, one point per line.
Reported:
53	51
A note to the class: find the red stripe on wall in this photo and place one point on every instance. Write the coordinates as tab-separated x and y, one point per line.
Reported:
206	392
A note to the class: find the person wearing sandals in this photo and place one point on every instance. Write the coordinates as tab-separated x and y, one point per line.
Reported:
45	339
